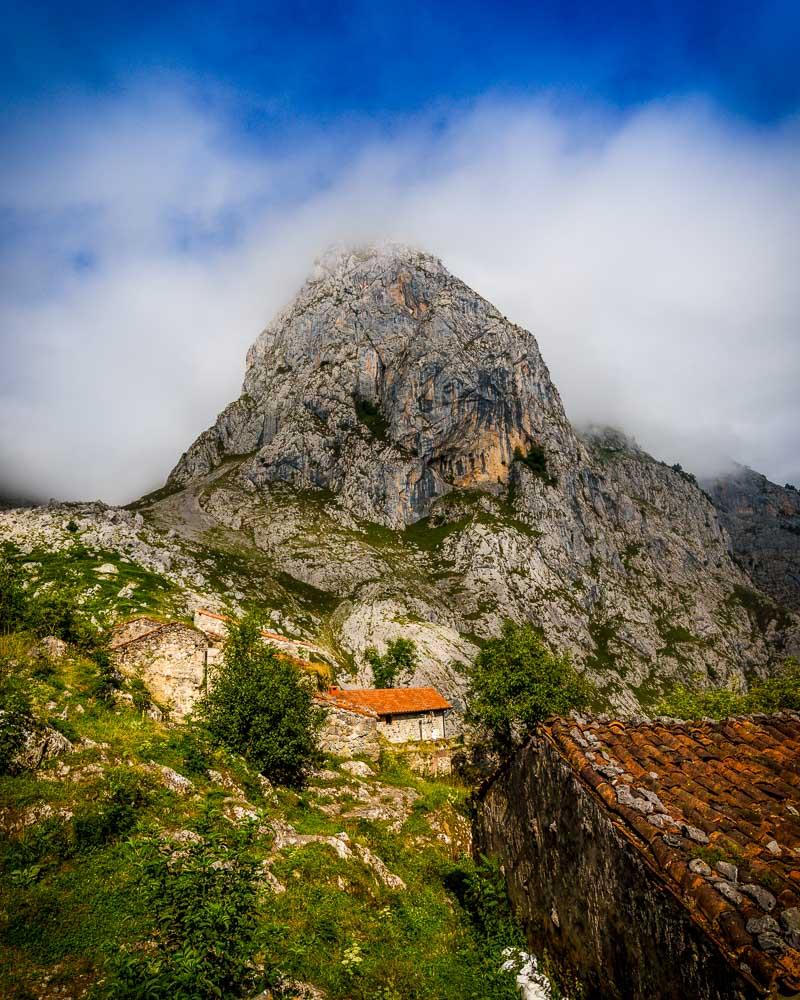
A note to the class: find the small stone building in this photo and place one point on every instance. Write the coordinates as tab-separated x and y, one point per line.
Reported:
170	657
173	658
655	859
402	715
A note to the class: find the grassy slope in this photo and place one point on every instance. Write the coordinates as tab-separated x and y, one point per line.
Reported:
68	896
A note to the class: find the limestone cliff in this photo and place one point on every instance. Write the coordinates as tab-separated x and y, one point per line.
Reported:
763	521
390	394
400	463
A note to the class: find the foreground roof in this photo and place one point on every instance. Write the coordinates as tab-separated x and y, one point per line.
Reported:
387	701
714	808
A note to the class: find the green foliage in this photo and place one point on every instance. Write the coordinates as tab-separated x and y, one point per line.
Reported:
771	695
372	418
534	459
516	682
260	707
400	656
14	601
16	720
204	905
688	476
480	889
141	696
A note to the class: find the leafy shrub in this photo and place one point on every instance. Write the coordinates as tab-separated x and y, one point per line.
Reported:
116	813
780	691
14	601
141	696
481	891
260	707
534	459
400	655
16	720
372	418
104	681
204	903
516	682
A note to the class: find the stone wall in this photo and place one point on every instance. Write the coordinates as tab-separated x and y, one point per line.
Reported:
429	759
413	727
584	894
349	734
172	663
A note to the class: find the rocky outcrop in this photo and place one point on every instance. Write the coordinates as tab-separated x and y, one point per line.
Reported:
389	393
399	463
763	522
390	382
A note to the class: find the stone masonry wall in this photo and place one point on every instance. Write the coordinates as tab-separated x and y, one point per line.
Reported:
171	662
349	734
585	895
412	728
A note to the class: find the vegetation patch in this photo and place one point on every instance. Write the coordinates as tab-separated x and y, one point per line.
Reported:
535	459
369	414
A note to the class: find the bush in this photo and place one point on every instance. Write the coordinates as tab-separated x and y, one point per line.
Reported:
116	814
481	890
400	655
535	459
260	707
771	695
16	721
516	682
204	902
14	601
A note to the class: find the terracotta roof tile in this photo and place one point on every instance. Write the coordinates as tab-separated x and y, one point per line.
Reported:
730	791
388	701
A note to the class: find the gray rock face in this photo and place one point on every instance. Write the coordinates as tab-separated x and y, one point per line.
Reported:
390	382
399	463
763	521
406	395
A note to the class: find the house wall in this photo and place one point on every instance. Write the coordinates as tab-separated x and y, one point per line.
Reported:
349	734
171	662
584	894
413	727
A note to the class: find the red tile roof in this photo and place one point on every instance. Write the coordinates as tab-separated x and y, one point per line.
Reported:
387	701
714	808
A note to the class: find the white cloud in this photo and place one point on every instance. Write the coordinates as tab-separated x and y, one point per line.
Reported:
655	257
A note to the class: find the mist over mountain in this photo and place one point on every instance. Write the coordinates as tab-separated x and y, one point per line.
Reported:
653	253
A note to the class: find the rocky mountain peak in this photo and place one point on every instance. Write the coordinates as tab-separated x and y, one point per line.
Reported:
391	382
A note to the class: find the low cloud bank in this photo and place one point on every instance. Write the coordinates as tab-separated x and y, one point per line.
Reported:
145	244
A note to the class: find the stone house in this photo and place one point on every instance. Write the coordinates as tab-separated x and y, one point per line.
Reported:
655	859
173	658
401	715
170	657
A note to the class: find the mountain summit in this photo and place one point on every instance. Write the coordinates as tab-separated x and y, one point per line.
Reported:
399	464
399	446
390	382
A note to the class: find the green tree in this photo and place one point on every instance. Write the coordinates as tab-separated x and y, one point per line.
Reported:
516	682
400	656
260	706
780	691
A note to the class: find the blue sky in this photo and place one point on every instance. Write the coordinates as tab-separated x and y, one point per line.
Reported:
316	62
620	177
